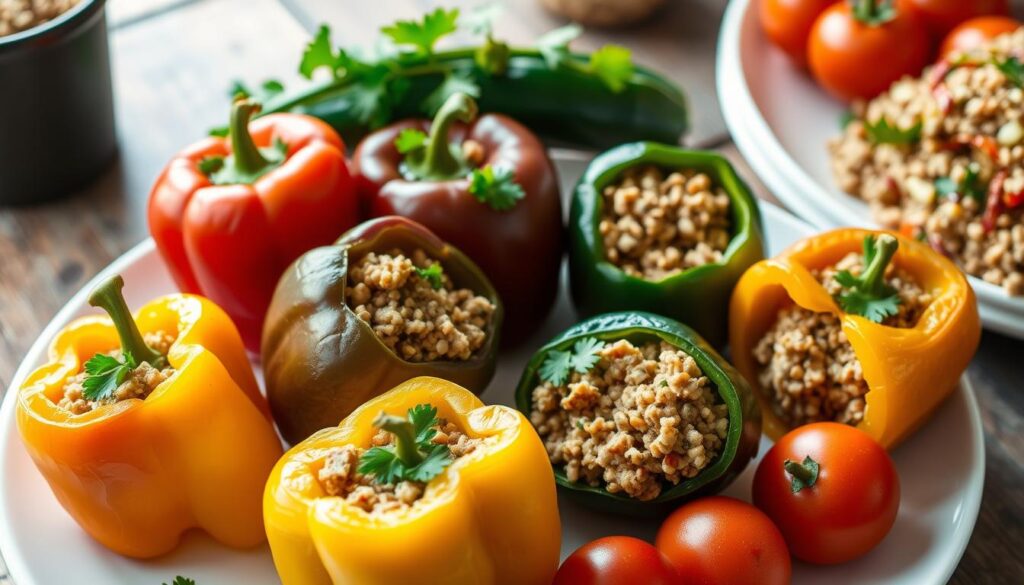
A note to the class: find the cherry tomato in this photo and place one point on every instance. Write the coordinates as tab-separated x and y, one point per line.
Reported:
976	32
860	54
723	541
788	24
942	16
843	513
616	560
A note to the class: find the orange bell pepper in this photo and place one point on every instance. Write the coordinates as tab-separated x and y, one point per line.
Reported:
909	371
196	452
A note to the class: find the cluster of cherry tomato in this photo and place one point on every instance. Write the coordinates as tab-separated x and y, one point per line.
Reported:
825	493
858	48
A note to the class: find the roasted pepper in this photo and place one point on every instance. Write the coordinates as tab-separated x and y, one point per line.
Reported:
321	361
136	474
744	427
229	215
909	371
489	518
698	296
487	186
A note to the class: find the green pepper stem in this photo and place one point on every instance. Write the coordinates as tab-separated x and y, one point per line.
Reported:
245	155
798	471
405	437
441	160
874	273
107	296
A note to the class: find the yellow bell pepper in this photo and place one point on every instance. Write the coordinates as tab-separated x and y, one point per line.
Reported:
909	371
196	452
490	518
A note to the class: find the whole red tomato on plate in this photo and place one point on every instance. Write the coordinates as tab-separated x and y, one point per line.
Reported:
857	50
723	541
942	16
831	489
976	32
788	24
616	560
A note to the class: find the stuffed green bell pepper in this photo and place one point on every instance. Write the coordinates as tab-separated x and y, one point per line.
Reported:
658	228
388	302
638	413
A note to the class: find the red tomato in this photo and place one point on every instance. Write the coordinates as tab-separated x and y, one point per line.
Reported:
723	541
788	24
854	59
616	560
942	16
849	508
976	32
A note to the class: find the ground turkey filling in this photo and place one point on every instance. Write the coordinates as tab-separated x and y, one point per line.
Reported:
807	363
642	418
655	226
961	184
339	475
139	384
415	320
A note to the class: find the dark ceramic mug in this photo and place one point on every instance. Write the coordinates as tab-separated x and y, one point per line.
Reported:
56	106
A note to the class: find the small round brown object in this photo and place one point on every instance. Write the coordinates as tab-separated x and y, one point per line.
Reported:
603	13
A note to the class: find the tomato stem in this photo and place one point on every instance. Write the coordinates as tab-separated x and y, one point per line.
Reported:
804	474
873	12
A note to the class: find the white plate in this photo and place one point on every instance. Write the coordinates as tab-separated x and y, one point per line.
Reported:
942	469
781	121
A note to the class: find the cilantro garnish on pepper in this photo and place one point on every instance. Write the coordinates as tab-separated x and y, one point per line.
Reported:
559	364
433	274
868	295
412	456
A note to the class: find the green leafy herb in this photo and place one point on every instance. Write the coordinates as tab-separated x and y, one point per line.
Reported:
804	474
496	187
613	64
410	139
881	132
411	456
320	52
179	580
1012	69
433	274
105	374
267	90
558	364
423	34
579	424
453	83
868	295
971	185
554	45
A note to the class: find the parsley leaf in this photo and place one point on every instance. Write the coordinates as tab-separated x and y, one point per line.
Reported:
1012	69
434	275
423	34
881	132
382	463
614	65
423	418
179	580
554	45
410	139
453	83
411	456
873	308
558	364
432	465
971	185
105	374
320	52
867	294
585	354
496	187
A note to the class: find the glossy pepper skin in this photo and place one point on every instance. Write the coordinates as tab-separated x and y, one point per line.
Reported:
909	371
520	249
230	238
698	296
490	518
321	361
744	432
195	453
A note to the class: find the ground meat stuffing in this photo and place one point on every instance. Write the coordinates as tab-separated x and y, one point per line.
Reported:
655	226
940	187
139	384
339	475
20	15
642	418
809	366
418	322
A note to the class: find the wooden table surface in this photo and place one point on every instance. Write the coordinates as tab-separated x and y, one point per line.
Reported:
173	62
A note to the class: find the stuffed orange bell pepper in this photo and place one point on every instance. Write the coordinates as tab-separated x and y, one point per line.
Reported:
866	328
147	427
422	484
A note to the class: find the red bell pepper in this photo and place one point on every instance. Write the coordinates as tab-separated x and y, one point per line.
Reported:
230	214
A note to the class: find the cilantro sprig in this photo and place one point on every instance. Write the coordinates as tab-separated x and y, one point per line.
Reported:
179	580
868	295
612	64
970	185
104	374
412	456
423	34
558	364
433	274
495	186
1012	69
882	132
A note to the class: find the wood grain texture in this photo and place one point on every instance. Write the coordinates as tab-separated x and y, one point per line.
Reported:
173	62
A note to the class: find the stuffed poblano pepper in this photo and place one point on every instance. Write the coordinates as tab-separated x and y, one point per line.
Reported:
638	413
387	302
661	229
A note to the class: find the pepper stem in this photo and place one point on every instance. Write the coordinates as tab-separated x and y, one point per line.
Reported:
442	160
246	155
107	296
405	437
798	471
873	275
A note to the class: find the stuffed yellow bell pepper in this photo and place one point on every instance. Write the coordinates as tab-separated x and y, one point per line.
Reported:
422	484
147	427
